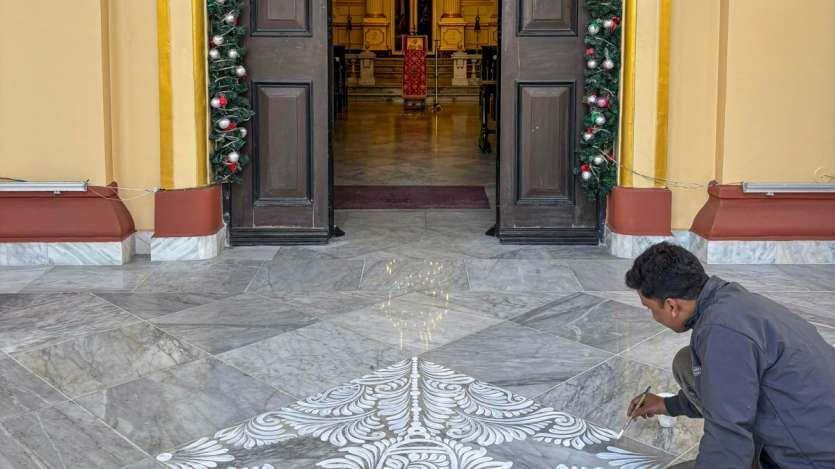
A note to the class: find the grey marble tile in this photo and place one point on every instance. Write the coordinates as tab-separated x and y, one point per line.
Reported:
174	406
142	241
813	277
23	254
741	252
145	464
805	252
253	253
13	301
87	278
233	322
281	277
398	275
57	318
518	359
594	321
314	358
625	453
521	275
398	218
362	240
419	326
577	252
200	277
659	350
601	275
297	453
326	305
92	253
818	307
21	391
15	279
602	396
62	436
630	298
151	305
95	361
492	304
187	248
761	278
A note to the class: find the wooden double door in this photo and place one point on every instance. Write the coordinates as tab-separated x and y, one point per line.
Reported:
287	193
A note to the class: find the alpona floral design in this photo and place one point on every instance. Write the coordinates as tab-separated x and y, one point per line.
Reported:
413	414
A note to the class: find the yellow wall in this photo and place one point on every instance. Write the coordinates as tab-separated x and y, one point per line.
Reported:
80	93
780	99
135	100
53	91
750	94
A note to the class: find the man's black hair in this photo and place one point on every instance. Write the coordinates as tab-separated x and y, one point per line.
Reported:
666	270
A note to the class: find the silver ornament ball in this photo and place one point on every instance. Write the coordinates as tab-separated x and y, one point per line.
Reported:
594	28
588	136
608	64
600	120
598	160
229	18
215	102
223	123
214	54
242	131
233	53
233	157
591	63
220	2
607	23
586	175
240	71
591	99
217	40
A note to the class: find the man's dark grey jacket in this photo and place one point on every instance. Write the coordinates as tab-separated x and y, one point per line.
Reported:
765	378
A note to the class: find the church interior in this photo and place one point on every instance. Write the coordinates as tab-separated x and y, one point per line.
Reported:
414	100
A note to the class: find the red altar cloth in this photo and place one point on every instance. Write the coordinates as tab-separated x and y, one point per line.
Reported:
414	67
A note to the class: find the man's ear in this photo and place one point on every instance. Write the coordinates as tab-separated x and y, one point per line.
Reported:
672	305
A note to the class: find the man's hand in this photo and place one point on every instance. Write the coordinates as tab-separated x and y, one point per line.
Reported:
653	405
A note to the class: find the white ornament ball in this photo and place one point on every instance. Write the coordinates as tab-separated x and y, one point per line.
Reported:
233	157
233	53
600	119
215	102
594	28
591	99
220	2
242	131
588	136
217	40
229	18
586	175
224	123
608	64
214	54
607	23
240	71
591	63
598	160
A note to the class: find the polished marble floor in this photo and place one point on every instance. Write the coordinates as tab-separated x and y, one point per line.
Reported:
414	339
378	143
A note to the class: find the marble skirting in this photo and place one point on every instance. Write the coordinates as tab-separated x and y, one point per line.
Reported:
187	248
728	251
68	253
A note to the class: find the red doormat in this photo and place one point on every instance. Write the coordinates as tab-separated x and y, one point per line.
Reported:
417	197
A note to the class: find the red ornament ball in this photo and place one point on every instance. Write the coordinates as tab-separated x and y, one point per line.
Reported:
232	126
585	167
222	99
589	52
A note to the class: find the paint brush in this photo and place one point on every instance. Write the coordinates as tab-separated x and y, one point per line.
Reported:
638	404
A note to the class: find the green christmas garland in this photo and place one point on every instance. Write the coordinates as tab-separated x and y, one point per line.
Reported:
597	165
230	107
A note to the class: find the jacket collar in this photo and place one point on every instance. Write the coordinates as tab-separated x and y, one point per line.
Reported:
705	299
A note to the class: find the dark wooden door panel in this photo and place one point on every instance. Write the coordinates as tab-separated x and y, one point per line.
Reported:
284	198
540	199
